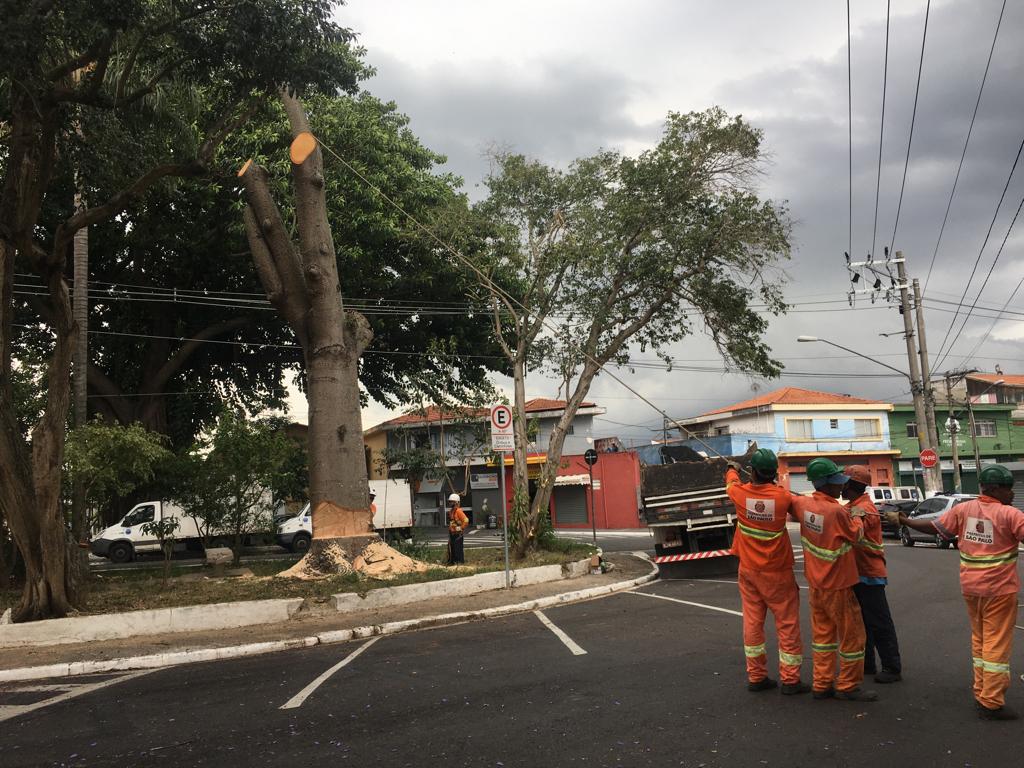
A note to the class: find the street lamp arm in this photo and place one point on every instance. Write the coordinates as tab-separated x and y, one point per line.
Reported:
858	354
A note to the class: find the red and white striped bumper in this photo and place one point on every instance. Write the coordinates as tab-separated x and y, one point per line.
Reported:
692	556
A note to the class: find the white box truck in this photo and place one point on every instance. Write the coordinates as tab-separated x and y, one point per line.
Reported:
392	498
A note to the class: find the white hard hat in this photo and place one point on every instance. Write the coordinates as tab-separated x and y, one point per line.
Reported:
455	497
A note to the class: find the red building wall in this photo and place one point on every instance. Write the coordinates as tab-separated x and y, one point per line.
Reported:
615	500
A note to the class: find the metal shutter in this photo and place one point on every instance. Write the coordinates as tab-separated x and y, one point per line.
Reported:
571	504
1018	490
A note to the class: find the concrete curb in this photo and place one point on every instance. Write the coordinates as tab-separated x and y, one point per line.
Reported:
156	621
154	661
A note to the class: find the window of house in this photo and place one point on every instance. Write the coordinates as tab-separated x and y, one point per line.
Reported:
571	430
911	429
833	423
721	430
799	429
867	429
985	428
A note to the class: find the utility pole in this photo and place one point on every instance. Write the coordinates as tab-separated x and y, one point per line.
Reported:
926	373
933	476
877	274
954	428
954	377
974	440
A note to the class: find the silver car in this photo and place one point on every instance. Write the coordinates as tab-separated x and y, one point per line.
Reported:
931	509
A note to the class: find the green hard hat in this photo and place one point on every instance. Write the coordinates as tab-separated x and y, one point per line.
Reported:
996	474
764	461
819	469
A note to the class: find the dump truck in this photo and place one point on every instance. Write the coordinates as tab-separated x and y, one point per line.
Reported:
690	514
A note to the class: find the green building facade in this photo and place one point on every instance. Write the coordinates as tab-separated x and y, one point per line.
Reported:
999	439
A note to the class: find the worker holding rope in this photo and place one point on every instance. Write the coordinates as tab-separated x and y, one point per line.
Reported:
988	531
766	578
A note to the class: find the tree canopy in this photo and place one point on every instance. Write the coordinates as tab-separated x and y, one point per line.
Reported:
618	252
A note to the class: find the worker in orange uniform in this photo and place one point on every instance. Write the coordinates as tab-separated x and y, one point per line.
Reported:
457	522
988	530
766	577
828	533
870	589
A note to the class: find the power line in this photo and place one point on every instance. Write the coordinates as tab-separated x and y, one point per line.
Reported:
849	117
976	298
984	243
963	154
881	129
913	118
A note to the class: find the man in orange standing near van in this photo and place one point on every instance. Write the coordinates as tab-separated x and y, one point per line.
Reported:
828	533
988	530
766	577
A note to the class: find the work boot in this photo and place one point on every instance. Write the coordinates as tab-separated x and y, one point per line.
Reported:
828	693
857	695
1000	713
762	685
792	689
888	677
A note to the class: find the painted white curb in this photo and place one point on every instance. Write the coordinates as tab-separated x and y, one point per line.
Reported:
324	638
157	621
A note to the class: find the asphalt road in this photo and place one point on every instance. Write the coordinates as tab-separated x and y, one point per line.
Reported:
652	677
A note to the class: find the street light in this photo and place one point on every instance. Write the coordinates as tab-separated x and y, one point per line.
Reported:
853	352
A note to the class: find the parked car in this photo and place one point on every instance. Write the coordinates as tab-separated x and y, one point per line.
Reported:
906	507
930	509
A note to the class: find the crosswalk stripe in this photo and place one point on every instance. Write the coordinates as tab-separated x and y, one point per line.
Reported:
296	700
566	640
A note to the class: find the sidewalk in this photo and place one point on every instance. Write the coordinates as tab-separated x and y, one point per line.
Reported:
320	620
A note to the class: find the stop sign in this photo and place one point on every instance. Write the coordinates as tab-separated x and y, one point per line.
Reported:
928	458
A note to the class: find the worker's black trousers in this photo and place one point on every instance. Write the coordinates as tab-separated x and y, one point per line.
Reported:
878	626
456	551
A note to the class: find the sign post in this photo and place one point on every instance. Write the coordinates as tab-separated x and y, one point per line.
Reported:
503	439
591	458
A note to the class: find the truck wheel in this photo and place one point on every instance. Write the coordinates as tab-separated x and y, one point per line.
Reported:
121	552
300	544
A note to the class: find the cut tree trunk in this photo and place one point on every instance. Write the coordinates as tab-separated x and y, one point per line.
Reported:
302	283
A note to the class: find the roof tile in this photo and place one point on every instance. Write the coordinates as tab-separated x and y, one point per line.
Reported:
794	396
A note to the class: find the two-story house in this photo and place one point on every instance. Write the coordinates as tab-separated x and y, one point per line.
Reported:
461	438
800	425
1000	439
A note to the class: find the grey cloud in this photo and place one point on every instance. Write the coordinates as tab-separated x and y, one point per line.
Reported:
577	107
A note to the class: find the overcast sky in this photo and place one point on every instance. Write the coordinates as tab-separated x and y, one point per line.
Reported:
562	78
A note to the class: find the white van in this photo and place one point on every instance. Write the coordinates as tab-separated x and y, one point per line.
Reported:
393	501
121	541
884	493
124	539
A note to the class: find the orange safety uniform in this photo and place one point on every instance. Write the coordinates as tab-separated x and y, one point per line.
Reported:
869	552
988	532
766	577
828	534
458	521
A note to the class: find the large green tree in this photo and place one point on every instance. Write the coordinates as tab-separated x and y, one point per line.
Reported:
619	251
170	81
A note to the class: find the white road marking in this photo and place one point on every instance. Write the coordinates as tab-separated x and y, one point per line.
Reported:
8	711
568	641
687	602
296	700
